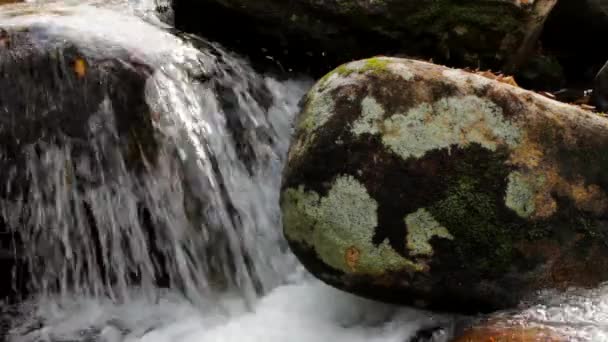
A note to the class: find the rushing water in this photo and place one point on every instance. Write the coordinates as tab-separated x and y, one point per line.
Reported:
212	201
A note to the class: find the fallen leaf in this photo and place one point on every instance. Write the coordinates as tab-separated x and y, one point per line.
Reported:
80	67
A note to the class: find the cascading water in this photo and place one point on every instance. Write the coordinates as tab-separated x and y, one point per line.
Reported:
174	236
89	221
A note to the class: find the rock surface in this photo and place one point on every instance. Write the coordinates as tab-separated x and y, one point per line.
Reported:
498	333
413	183
318	35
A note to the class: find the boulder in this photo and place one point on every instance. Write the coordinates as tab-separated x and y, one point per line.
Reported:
414	183
316	36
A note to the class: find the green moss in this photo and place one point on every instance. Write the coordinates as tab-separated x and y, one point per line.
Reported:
473	213
474	33
343	70
441	16
375	65
347	6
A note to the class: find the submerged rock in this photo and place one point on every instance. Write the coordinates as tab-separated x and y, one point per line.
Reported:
318	35
498	333
413	183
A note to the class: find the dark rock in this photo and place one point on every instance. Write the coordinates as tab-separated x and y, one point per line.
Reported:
507	329
432	334
414	183
570	35
315	36
541	72
599	97
52	94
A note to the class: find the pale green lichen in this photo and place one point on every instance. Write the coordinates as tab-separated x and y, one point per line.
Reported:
371	114
345	219
318	110
401	70
296	202
421	228
448	122
521	193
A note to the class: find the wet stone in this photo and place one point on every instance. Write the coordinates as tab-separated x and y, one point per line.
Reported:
418	184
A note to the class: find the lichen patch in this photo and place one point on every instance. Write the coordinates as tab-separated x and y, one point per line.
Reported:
318	111
337	225
444	123
401	70
522	193
421	227
531	193
372	114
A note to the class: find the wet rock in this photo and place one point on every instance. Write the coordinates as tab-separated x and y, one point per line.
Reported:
63	103
541	72
599	96
498	333
513	326
316	36
570	36
413	183
432	334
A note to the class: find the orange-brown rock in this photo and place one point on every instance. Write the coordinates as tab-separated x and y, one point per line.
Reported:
510	334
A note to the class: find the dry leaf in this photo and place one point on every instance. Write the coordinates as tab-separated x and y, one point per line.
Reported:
80	67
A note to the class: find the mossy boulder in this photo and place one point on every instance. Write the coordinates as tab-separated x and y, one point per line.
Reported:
316	35
414	183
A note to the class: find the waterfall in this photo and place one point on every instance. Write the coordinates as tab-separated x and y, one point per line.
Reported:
201	213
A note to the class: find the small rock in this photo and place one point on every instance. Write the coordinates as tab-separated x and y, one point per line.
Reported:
509	334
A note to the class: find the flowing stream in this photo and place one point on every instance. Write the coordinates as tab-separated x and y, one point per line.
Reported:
211	207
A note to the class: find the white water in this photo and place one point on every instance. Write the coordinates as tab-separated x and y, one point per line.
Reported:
292	305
